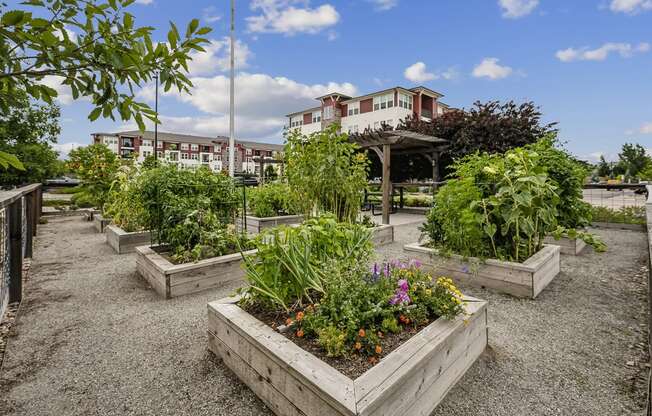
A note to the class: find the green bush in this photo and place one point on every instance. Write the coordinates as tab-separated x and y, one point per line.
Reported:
97	166
189	210
624	215
124	205
271	200
84	199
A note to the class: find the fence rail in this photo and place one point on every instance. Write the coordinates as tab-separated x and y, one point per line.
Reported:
20	211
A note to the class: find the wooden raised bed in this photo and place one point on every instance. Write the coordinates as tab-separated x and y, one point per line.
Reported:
100	223
257	224
171	280
569	246
524	280
411	380
125	242
619	226
382	234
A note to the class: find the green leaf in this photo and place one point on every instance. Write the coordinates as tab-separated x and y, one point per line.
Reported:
13	18
7	159
95	114
192	26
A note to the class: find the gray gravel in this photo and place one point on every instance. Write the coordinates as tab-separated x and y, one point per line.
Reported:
93	339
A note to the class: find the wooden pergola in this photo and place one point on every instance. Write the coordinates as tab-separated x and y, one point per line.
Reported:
403	142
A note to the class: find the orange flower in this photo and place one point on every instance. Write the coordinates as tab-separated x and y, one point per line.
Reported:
300	333
288	321
373	360
358	346
379	349
403	319
362	333
300	316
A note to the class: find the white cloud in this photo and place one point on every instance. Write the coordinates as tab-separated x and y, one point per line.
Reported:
625	50
71	35
261	103
216	57
383	5
281	16
489	68
145	2
646	128
65	148
513	9
210	15
418	72
64	96
630	6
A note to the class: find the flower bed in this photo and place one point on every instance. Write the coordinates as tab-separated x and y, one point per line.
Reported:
411	380
257	224
382	234
100	223
171	280
526	279
569	246
125	242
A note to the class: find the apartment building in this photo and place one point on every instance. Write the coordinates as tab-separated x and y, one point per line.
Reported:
355	114
192	151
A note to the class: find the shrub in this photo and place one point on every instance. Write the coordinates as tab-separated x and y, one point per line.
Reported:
83	200
124	206
189	210
97	166
327	173
271	200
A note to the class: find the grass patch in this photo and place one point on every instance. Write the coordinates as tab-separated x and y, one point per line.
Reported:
624	215
66	190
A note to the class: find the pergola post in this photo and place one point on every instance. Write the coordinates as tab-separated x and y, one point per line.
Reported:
435	169
387	183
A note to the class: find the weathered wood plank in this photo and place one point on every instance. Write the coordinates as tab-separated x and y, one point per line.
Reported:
233	326
125	242
569	246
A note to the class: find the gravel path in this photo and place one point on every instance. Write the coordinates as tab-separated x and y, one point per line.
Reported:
93	339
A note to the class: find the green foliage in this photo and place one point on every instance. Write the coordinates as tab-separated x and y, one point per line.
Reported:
188	210
27	132
66	190
97	166
288	271
634	159
271	200
326	173
83	200
624	215
96	49
124	206
567	175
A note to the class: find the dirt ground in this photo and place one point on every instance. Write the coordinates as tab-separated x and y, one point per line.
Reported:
93	339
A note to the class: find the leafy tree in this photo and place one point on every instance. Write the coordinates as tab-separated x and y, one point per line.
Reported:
93	47
604	169
633	158
97	166
491	127
27	131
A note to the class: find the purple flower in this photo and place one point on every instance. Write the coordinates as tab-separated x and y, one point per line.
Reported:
415	263
374	269
465	268
401	294
403	285
386	270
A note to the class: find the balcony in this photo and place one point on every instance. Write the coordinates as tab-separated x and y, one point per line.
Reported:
426	114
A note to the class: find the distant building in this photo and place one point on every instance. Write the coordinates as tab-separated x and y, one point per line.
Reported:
192	151
355	114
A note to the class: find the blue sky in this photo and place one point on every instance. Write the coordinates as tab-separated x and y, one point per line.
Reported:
587	63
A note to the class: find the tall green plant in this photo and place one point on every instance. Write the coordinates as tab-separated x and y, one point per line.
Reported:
124	206
326	173
97	166
270	200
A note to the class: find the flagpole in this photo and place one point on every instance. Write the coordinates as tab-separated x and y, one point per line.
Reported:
232	96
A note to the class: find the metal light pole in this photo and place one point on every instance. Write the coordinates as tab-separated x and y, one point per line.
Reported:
232	96
156	124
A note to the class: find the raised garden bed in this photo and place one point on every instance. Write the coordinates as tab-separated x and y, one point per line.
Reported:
382	234
172	280
125	242
100	223
411	380
525	279
569	246
257	224
619	226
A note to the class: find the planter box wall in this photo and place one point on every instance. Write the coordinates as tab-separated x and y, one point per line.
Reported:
411	380
619	226
100	223
382	234
123	242
569	246
525	280
172	280
256	224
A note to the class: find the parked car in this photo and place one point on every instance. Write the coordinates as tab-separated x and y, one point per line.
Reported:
62	181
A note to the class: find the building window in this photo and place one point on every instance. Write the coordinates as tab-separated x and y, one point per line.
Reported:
194	156
159	155
354	109
174	156
218	158
316	117
248	151
147	143
159	145
184	146
205	158
382	102
194	147
206	149
405	101
218	149
184	156
328	112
